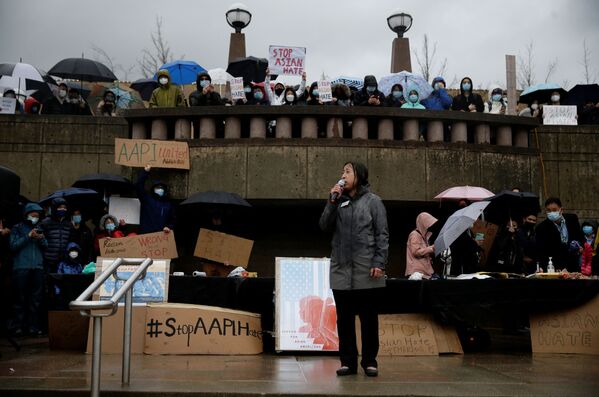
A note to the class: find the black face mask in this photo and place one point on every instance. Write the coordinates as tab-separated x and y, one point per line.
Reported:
278	91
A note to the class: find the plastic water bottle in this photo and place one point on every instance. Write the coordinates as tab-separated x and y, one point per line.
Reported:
550	268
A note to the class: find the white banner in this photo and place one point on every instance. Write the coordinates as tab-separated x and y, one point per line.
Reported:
324	91
286	60
237	88
8	105
125	208
559	115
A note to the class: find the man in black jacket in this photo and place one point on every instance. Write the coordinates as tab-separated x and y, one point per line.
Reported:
369	95
467	100
57	229
205	94
559	237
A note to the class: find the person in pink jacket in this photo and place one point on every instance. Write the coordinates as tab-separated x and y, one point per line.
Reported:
419	254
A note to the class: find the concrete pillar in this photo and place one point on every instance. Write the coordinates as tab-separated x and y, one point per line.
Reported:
410	130
504	136
385	132
359	128
284	127
138	130
435	131
335	127
159	130
236	46
309	127
521	139
232	128
482	134
207	128
459	132
182	129
400	55
257	127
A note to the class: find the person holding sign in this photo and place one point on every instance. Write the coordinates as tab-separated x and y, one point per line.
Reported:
8	93
278	97
205	94
358	220
369	95
108	228
157	212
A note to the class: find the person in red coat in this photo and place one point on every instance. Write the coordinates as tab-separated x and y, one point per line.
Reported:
108	228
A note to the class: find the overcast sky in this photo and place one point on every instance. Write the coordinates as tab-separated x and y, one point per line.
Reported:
348	37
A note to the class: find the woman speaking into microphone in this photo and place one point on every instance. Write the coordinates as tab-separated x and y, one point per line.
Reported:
360	246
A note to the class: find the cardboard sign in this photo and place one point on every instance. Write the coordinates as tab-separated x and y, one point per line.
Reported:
223	248
559	115
324	91
159	154
157	245
485	232
567	331
125	208
193	329
8	105
237	88
286	60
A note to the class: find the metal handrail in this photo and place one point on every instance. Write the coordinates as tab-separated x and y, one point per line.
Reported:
88	308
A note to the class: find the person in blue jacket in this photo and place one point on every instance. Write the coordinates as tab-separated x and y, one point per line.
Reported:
26	243
439	99
157	212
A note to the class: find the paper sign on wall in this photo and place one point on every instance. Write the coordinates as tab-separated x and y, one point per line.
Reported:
286	60
8	105
559	115
125	208
159	154
324	91
223	248
237	88
157	245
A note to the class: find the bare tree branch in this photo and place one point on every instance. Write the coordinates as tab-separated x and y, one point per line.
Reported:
158	55
526	74
551	69
426	59
589	76
102	56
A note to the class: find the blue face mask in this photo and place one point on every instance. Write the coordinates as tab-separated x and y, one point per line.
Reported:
437	86
76	219
315	92
247	90
61	213
371	89
204	83
110	227
413	98
554	216
587	230
258	95
397	94
496	97
466	86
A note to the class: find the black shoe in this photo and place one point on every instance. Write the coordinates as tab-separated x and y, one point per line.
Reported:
344	371
35	332
371	371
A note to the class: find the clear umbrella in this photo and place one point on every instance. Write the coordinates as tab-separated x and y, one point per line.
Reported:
457	224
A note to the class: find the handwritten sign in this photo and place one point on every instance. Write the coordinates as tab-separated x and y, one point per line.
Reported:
324	91
223	248
159	154
157	245
286	60
8	105
237	88
559	115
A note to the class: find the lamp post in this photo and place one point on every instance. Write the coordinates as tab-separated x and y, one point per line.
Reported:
400	23
238	17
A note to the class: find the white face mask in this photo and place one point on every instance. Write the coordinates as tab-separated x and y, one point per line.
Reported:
290	98
62	93
159	192
163	80
534	106
555	98
73	254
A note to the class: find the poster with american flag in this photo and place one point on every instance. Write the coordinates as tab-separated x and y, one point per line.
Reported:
305	317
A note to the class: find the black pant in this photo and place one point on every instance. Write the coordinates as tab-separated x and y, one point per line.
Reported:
28	291
364	303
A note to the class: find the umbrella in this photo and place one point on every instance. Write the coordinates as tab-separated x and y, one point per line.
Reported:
219	76
84	199
10	182
472	193
250	68
145	87
216	199
79	87
409	81
457	224
355	82
82	69
511	205
23	76
580	94
182	72
104	183
125	99
540	92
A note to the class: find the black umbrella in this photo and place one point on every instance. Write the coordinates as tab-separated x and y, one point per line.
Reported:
84	92
511	205
216	199
10	182
88	201
145	87
581	94
250	68
82	69
104	183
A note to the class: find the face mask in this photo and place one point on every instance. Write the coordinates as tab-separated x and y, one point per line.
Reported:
73	254
496	98
204	83
159	192
163	80
466	86
587	230
35	109
74	100
413	98
76	219
290	98
437	86
370	89
534	106
62	93
555	98
315	93
110	227
247	90
397	94
61	213
553	216
279	91
258	95
33	220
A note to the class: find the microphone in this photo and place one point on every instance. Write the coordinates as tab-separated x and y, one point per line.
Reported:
335	196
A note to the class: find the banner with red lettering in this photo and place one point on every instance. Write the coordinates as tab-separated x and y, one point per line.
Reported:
159	245
287	60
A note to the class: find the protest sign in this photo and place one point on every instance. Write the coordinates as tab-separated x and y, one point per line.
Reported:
125	208
286	60
8	105
559	115
159	154
324	91
159	245
223	248
237	88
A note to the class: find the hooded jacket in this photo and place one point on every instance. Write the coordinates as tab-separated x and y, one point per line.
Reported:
167	96
58	234
278	100
495	107
70	265
198	98
343	95
391	101
156	212
312	99
361	97
360	240
419	254
103	233
461	101
410	105
27	251
439	99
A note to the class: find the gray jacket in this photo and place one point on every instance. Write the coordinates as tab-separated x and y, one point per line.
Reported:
360	240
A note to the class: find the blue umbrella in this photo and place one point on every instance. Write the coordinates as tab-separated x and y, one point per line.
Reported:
182	72
540	92
408	81
355	82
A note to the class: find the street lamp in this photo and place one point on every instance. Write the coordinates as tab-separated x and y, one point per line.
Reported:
238	17
400	23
